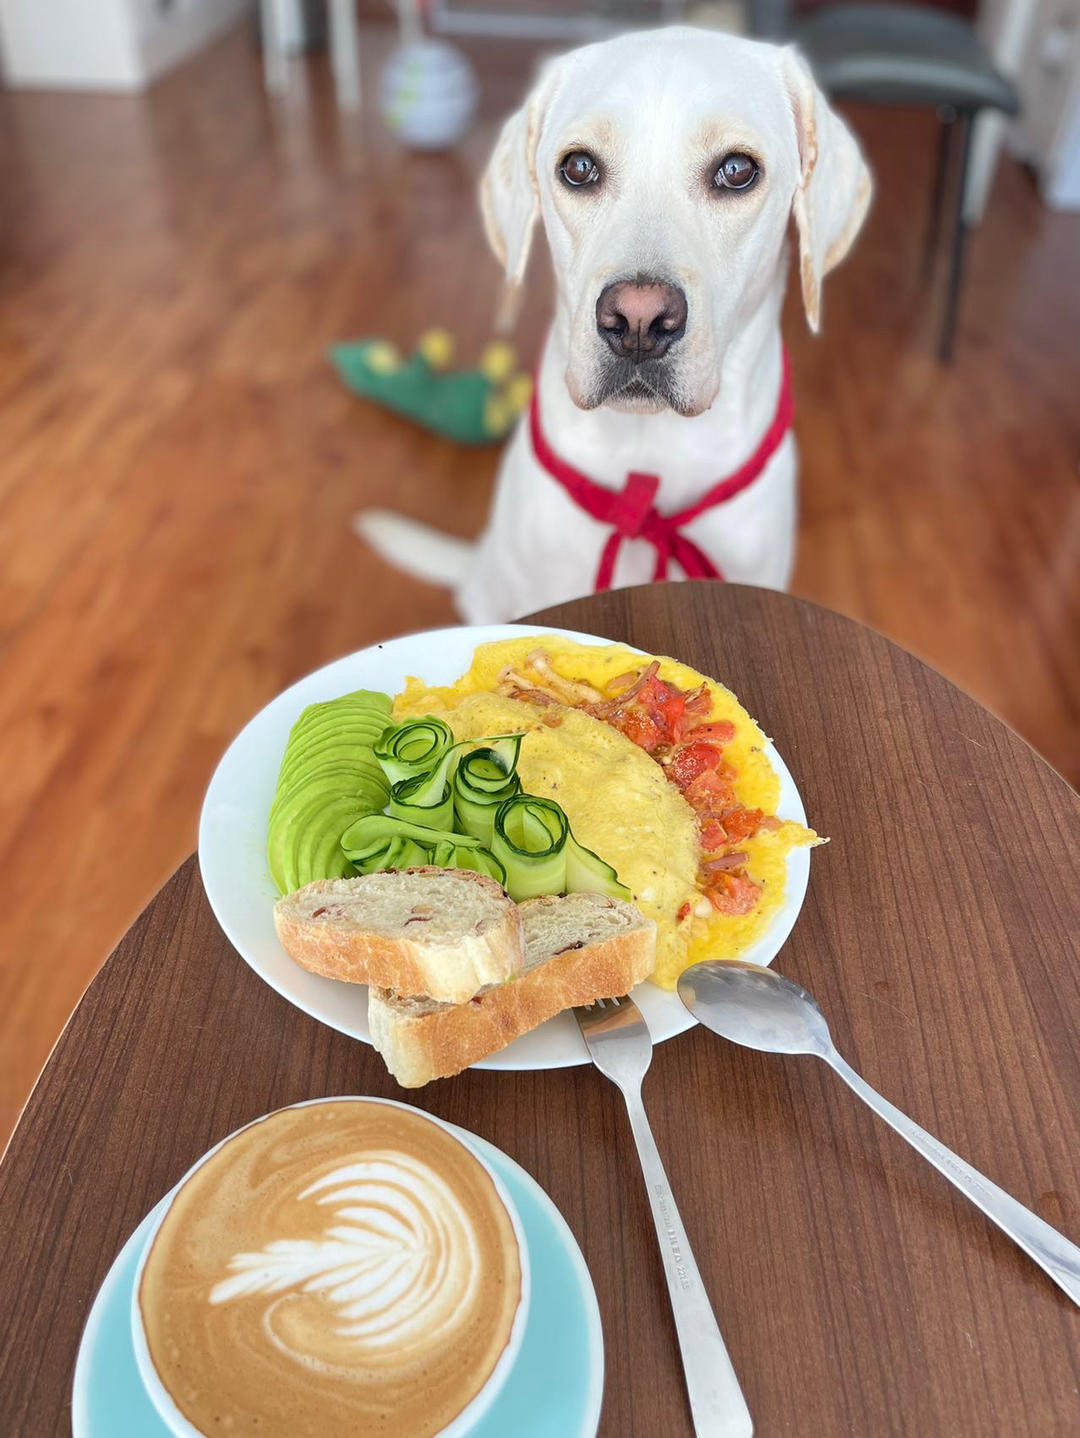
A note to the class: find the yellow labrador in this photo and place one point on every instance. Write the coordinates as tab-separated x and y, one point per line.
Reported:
665	167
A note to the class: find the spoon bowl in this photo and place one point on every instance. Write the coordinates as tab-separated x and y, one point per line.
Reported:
755	1007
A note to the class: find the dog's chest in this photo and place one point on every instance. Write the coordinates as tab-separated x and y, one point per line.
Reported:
543	545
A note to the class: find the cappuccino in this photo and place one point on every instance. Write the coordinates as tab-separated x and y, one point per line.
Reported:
335	1268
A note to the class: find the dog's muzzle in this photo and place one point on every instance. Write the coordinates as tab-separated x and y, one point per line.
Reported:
639	321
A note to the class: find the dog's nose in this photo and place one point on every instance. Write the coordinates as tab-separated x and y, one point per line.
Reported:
641	320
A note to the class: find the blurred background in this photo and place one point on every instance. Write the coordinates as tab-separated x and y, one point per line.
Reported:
199	197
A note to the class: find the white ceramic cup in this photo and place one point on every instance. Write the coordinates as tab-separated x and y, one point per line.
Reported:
469	1416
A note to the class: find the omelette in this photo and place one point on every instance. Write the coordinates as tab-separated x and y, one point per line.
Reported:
619	798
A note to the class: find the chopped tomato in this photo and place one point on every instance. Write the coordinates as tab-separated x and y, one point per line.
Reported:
722	732
742	823
692	760
711	789
732	893
674	712
642	729
666	706
713	836
659	692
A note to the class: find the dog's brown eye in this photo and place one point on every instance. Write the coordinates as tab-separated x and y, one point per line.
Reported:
579	168
736	172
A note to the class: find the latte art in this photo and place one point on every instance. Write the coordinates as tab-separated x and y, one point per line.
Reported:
399	1264
335	1268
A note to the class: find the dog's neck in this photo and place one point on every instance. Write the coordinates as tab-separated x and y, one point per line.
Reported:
689	454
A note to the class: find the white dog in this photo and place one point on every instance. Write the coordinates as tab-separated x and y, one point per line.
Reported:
665	167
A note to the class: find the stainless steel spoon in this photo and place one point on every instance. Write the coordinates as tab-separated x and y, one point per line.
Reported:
760	1009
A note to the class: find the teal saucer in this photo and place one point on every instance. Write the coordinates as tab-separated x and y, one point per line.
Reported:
554	1391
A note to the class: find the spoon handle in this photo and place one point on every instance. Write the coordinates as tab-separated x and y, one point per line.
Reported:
1051	1250
716	1401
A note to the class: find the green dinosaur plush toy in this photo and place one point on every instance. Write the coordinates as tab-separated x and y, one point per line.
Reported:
472	406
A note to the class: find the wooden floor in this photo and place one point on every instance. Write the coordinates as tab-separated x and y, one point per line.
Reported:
178	464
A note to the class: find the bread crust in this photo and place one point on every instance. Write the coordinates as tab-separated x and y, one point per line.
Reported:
419	1048
450	972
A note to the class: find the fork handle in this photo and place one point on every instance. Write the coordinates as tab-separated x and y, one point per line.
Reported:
716	1401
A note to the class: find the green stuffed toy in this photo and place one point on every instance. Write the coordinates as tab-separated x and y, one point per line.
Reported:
477	406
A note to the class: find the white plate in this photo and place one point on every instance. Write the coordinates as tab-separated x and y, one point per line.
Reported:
232	845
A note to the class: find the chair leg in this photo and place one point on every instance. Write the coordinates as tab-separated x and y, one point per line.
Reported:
345	53
946	130
959	240
275	62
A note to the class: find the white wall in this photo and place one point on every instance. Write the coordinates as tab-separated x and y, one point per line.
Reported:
1037	44
106	44
1061	180
1048	131
170	37
84	43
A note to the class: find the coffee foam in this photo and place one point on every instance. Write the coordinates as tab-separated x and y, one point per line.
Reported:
341	1267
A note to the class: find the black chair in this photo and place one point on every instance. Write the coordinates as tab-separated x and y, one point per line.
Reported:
896	54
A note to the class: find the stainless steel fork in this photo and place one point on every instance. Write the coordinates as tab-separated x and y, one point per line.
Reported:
619	1043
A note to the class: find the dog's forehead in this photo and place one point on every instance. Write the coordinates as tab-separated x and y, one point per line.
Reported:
680	83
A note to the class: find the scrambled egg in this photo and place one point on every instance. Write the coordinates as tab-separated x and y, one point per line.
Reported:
617	799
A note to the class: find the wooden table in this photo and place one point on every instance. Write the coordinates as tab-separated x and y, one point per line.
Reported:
858	1293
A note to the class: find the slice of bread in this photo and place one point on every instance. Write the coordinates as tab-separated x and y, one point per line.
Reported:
444	933
578	947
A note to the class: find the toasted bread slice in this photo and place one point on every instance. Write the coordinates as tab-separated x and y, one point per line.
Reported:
442	933
578	947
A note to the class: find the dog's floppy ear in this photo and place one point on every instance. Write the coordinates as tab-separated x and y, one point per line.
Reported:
509	195
833	193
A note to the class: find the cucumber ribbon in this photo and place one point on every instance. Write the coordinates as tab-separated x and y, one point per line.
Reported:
460	806
430	795
380	841
533	842
413	748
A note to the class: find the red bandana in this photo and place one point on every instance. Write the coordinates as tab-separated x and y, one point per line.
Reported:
630	511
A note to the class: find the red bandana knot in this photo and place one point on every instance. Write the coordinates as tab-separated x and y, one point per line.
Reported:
630	511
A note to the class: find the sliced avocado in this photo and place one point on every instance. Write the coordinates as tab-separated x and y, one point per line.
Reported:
356	765
357	756
365	699
332	784
358	713
317	839
329	783
332	748
363	726
338	708
340	733
328	779
310	827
